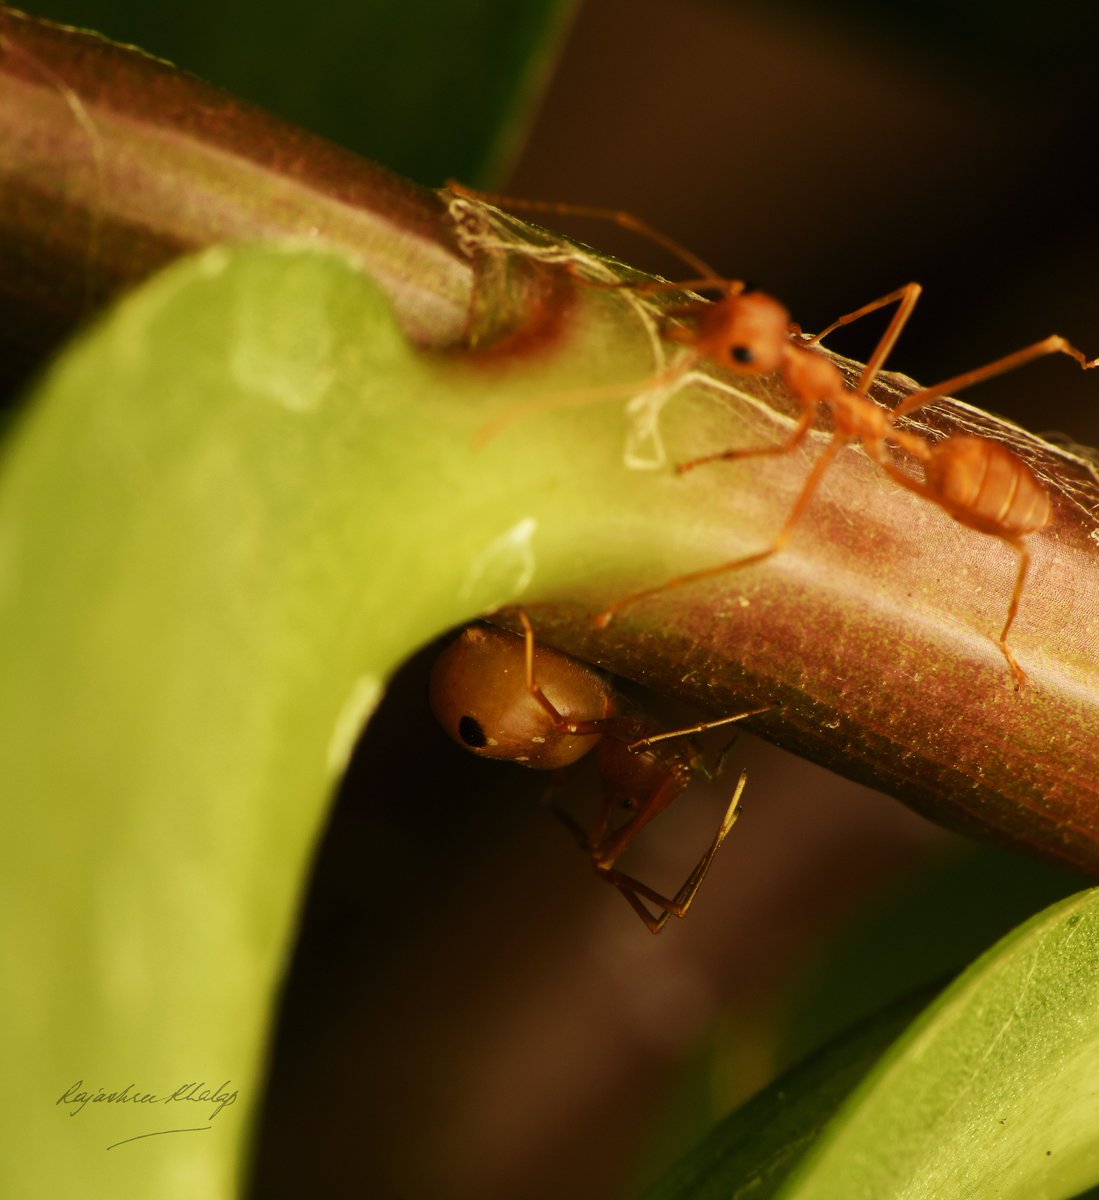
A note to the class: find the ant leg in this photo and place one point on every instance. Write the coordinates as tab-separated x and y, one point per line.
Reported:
718	769
605	850
566	818
1054	344
625	883
801	431
607	846
591	843
800	505
678	905
702	727
532	686
624	220
1013	608
654	924
921	489
561	723
698	763
908	295
912	290
648	287
905	298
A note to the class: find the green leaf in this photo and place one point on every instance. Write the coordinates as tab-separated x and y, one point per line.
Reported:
431	90
751	1152
924	932
231	510
993	1091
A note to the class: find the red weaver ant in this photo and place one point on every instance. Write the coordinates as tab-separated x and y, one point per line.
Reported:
502	696
977	481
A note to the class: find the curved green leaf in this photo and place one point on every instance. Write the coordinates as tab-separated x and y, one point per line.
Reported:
993	1092
231	510
751	1152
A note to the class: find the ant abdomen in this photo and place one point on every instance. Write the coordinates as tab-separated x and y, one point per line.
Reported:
479	694
987	487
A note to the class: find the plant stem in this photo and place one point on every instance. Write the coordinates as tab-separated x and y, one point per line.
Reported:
874	627
114	163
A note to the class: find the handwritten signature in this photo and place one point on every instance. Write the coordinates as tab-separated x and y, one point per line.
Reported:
193	1092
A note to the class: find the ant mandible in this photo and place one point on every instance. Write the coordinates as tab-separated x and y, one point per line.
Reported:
976	480
502	696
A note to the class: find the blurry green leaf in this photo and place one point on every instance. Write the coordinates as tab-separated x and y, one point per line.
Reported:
431	90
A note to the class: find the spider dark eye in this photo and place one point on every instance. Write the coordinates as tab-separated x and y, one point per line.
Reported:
744	355
470	731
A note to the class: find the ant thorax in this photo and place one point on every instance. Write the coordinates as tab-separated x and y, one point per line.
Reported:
813	378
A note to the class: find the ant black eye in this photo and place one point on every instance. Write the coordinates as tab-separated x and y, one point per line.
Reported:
470	731
744	355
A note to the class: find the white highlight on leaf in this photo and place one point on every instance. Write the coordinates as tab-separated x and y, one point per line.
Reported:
296	385
214	261
363	698
507	563
285	350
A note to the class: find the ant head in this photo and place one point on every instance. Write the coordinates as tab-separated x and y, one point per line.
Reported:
745	331
479	694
